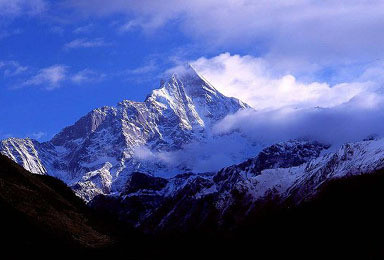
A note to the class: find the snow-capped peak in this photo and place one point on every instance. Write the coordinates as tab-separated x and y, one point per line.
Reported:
181	111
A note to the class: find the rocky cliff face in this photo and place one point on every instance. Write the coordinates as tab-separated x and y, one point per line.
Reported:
117	158
287	173
98	153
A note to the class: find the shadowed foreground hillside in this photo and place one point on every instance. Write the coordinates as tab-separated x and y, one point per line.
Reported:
346	220
42	212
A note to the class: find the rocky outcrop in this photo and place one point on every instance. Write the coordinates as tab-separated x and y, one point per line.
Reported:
181	111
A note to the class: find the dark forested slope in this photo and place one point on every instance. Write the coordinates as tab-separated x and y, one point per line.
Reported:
42	212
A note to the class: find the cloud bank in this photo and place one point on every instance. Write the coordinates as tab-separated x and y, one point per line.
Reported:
295	32
254	81
211	155
283	108
286	108
242	135
354	121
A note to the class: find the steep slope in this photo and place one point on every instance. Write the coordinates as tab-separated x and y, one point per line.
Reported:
25	153
343	221
350	159
284	175
97	154
42	212
190	200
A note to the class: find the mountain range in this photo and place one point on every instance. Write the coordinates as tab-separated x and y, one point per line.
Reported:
147	166
133	161
98	153
41	217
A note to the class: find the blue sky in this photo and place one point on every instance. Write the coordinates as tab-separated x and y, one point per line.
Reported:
60	59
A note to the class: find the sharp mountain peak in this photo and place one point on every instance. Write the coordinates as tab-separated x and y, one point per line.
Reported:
181	111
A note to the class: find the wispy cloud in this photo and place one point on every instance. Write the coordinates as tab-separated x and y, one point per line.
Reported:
56	76
150	67
129	26
345	31
12	68
22	7
50	77
212	155
86	75
83	29
86	43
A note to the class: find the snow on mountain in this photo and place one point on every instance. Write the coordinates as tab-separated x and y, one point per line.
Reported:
283	155
350	159
288	172
217	191
134	153
300	179
99	152
24	152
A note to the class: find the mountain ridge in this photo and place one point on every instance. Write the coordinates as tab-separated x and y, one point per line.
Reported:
343	220
222	200
99	151
102	151
41	211
117	160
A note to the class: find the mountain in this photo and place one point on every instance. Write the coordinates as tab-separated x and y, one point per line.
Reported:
133	162
342	221
285	174
42	212
42	217
98	153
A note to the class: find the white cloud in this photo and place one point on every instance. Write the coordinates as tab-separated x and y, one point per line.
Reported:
149	67
85	43
129	26
289	109
352	121
53	77
86	75
83	29
294	31
12	68
211	155
254	81
143	153
50	77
